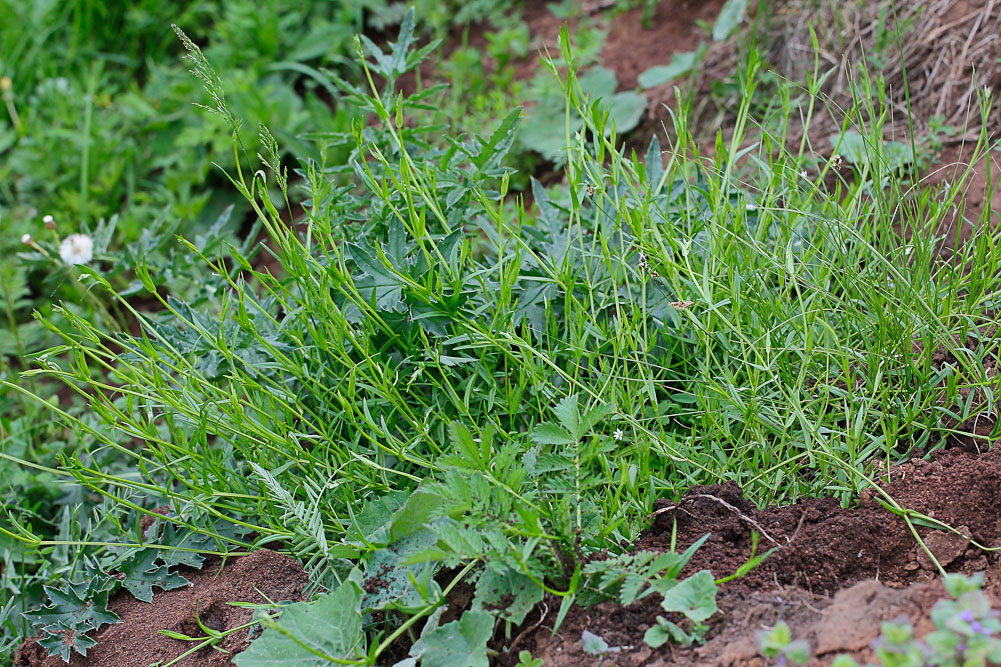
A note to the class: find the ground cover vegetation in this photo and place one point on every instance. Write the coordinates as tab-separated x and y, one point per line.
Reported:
435	373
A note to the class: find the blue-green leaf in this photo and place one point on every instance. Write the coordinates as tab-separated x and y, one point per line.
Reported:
627	110
461	643
510	595
729	18
680	65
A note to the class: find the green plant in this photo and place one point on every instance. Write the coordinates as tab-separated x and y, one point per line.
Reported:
966	630
437	386
778	645
525	659
78	606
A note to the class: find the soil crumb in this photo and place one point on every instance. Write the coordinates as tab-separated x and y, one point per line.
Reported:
836	574
137	642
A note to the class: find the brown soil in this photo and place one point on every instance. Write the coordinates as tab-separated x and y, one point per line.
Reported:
137	642
837	572
947	49
631	48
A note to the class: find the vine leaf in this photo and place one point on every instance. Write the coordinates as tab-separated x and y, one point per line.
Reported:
142	574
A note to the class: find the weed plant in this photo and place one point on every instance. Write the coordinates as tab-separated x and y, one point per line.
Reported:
441	386
966	629
110	148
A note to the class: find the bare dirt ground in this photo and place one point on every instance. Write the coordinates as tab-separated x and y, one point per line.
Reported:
137	641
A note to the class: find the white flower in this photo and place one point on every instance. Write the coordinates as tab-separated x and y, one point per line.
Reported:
77	249
47	219
617	434
26	239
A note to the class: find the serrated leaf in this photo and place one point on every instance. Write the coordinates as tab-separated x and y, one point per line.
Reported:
464	445
695	597
568	414
76	605
501	139
309	635
397	246
461	643
507	594
378	284
551	434
74	610
402	44
594	416
62	642
530	460
142	573
179	546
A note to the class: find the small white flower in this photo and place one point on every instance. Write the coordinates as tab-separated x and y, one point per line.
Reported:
617	434
26	239
47	219
77	249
